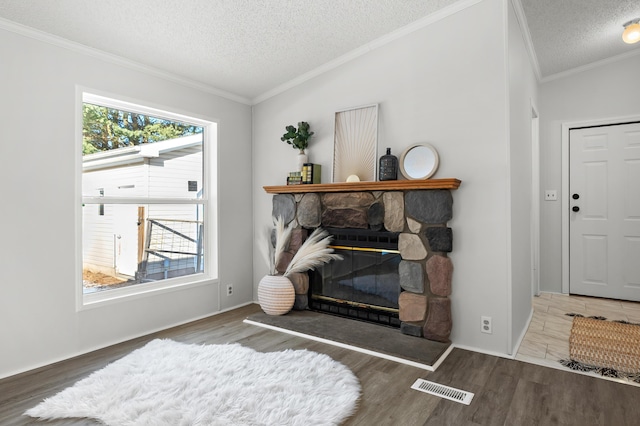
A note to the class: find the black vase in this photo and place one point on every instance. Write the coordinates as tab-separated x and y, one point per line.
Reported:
388	167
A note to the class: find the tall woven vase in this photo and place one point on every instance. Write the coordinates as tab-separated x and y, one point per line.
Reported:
276	294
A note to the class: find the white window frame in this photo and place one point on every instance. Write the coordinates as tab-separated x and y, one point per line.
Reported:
208	200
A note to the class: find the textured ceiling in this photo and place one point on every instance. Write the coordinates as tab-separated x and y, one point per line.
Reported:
245	47
567	34
250	47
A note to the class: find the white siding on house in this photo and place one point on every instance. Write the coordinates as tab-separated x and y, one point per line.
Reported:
168	178
97	241
165	176
170	173
116	181
98	233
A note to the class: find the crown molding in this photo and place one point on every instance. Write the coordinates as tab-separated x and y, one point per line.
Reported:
349	56
117	60
526	35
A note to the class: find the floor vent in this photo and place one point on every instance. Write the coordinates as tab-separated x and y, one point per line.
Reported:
447	392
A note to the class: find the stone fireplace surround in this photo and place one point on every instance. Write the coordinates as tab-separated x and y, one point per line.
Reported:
418	210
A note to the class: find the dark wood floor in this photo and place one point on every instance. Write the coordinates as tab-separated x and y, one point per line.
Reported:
507	392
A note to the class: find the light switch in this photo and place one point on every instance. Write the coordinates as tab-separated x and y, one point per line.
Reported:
551	195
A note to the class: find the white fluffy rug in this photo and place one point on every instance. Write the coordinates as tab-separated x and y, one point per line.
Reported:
170	383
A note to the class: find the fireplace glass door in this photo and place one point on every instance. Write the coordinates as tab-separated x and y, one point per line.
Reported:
364	285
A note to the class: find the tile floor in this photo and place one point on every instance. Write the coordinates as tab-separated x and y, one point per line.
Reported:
547	338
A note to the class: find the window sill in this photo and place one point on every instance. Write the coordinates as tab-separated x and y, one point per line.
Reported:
118	295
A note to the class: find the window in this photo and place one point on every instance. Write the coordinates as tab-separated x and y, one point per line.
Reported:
146	199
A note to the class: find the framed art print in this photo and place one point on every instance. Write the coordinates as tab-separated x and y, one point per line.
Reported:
355	144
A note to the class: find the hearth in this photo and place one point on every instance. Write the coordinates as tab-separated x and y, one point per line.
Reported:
365	284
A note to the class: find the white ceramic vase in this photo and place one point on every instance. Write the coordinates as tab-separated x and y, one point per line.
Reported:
301	159
276	294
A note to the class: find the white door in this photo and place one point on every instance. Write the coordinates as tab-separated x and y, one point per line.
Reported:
125	227
604	191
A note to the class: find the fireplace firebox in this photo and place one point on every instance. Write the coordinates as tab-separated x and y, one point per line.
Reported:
365	284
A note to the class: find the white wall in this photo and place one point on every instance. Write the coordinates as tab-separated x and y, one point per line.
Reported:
38	319
439	85
522	94
608	91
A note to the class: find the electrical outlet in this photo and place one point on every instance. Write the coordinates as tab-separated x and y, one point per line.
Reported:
229	289
485	325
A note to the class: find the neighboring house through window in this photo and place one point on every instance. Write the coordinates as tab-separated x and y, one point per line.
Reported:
147	191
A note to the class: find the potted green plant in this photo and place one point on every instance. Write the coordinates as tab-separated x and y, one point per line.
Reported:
298	139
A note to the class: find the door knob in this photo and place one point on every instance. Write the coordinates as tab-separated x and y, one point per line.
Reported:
575	208
575	196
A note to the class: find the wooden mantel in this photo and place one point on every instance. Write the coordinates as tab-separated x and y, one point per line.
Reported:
387	185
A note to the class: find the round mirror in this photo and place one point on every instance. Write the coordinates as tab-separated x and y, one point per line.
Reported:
419	161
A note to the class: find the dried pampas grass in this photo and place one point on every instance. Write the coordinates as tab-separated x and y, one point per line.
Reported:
314	252
283	236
